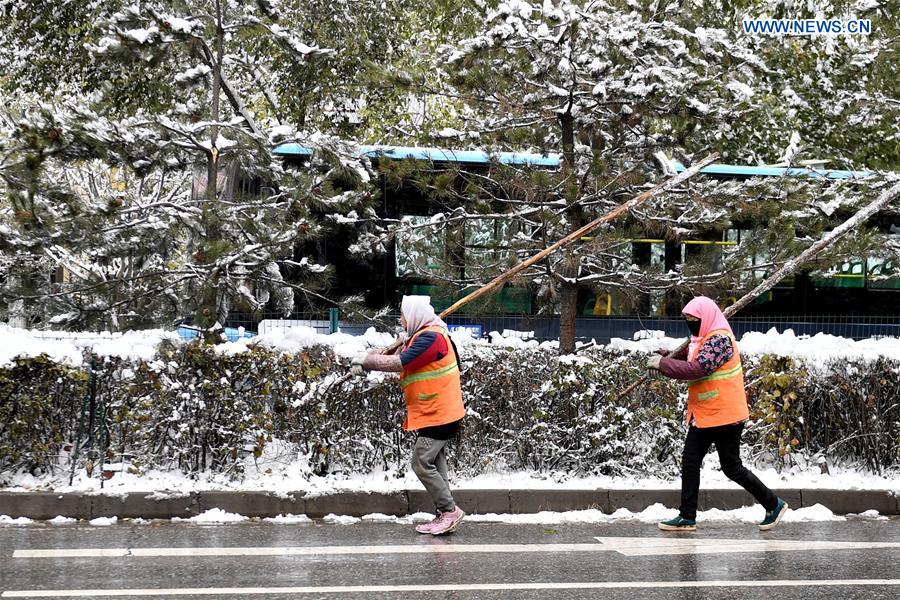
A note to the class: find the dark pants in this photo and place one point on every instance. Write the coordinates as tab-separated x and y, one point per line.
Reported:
727	439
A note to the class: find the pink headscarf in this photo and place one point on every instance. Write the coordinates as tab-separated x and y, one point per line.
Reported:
711	319
419	313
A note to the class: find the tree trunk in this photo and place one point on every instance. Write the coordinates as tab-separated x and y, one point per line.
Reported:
208	315
568	314
569	291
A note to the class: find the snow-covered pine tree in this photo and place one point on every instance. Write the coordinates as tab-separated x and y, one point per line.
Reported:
612	84
158	242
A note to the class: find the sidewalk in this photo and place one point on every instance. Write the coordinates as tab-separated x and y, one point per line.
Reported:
47	505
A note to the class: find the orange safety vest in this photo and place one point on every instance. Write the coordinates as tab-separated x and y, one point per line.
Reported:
719	398
433	394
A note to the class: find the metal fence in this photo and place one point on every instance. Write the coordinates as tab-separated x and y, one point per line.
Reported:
601	329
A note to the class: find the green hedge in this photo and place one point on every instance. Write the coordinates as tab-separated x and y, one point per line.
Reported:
198	409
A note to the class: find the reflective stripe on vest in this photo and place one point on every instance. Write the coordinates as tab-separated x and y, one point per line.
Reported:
433	393
427	375
719	398
720	374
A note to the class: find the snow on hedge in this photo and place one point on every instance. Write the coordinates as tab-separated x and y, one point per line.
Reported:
818	348
68	347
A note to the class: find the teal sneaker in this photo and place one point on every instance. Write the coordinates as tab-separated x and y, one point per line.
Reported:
774	516
679	523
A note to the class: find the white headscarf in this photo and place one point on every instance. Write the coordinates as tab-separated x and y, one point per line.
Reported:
418	313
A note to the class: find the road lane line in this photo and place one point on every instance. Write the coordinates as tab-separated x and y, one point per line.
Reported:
454	587
638	546
307	550
71	553
628	546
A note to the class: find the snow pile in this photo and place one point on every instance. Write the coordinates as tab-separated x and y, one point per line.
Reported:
103	521
870	514
213	516
288	519
61	520
341	519
7	520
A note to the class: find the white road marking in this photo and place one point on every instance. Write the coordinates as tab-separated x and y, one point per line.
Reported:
628	546
452	587
307	550
642	546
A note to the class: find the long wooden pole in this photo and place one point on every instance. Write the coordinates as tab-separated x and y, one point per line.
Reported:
575	235
886	197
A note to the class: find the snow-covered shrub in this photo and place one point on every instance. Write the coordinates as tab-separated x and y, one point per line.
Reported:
203	408
531	409
775	392
344	424
854	413
39	401
198	409
845	410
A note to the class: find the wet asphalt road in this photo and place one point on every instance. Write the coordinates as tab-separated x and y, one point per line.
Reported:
364	572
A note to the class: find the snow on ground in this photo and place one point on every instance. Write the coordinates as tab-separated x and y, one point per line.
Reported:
284	479
655	513
652	514
280	472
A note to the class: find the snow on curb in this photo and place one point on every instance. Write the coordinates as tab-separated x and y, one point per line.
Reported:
213	516
288	519
652	514
7	520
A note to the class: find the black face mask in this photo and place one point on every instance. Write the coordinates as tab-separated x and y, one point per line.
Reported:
694	326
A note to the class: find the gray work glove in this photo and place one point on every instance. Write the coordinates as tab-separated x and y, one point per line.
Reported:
357	368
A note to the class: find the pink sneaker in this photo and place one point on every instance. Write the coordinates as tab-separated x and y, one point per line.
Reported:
427	527
448	522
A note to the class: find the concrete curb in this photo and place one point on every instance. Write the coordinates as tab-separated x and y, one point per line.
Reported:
46	505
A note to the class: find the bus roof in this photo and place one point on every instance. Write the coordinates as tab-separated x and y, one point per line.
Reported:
552	160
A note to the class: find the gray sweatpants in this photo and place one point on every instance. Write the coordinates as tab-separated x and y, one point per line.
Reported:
429	463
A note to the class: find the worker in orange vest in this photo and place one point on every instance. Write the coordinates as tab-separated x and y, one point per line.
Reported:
716	411
430	377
